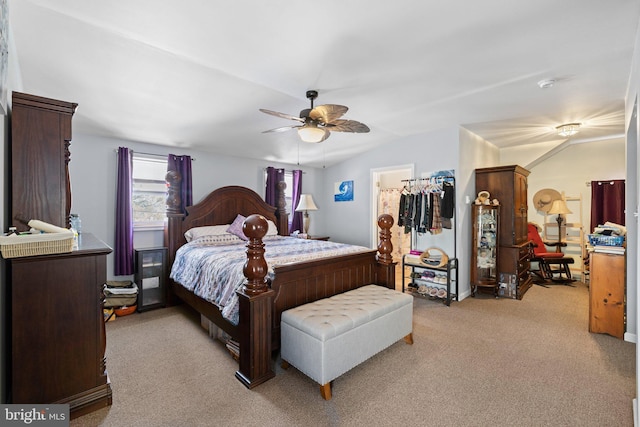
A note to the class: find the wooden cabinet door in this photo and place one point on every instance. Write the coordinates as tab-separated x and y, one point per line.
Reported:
39	176
520	208
606	294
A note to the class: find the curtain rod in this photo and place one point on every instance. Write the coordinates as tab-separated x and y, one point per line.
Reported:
164	156
303	172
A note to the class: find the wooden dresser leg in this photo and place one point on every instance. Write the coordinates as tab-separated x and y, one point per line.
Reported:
409	338
325	391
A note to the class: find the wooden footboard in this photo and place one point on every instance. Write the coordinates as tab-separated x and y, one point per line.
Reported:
262	303
296	284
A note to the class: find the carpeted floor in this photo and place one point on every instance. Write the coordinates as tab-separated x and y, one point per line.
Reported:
481	362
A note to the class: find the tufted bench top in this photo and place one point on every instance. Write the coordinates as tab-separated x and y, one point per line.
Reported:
331	317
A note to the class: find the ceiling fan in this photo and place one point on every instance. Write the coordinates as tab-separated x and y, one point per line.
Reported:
318	123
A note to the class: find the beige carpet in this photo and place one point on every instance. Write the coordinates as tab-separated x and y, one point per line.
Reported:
481	362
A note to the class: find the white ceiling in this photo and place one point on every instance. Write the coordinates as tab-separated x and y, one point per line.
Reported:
193	73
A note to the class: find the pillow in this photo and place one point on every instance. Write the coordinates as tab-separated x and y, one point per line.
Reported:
273	230
211	230
236	227
220	239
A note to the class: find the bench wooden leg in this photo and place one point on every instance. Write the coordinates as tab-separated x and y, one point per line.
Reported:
285	364
325	391
409	338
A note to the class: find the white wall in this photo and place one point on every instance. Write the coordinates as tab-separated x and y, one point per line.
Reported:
569	171
350	222
633	196
451	148
93	166
475	152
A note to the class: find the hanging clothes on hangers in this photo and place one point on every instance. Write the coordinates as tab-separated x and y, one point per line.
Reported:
448	204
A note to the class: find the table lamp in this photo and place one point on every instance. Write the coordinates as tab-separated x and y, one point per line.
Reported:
559	207
305	205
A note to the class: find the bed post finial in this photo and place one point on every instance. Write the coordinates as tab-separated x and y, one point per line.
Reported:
385	247
281	210
386	269
255	268
255	307
174	201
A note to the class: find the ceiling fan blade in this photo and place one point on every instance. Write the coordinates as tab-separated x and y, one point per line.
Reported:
347	126
328	113
281	129
282	115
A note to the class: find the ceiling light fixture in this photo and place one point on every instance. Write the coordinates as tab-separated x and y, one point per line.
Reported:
568	129
546	84
311	133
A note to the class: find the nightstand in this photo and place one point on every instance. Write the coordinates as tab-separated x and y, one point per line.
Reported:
325	238
150	277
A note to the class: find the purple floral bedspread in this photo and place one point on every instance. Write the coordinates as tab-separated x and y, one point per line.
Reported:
214	271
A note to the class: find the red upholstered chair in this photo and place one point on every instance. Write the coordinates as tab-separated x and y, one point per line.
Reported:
549	263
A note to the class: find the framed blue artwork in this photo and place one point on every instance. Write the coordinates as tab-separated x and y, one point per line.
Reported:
343	191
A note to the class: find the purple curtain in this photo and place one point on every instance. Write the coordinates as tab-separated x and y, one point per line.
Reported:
274	176
607	202
182	165
123	250
296	221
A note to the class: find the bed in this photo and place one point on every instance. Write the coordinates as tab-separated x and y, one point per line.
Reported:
262	301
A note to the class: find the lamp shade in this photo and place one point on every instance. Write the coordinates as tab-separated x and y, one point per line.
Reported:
306	203
309	133
559	207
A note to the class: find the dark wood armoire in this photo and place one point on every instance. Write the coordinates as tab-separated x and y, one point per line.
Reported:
39	180
55	321
508	184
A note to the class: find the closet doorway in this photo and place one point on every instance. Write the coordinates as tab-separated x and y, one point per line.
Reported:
386	187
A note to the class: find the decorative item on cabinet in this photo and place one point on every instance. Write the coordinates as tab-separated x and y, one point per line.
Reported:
508	184
484	248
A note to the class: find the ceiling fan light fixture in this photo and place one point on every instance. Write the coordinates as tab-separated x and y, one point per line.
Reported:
568	129
311	133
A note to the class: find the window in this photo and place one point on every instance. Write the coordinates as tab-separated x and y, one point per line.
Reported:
149	192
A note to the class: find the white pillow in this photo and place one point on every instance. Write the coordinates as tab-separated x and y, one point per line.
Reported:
273	230
211	230
220	239
221	230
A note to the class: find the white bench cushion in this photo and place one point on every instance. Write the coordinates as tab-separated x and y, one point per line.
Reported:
326	338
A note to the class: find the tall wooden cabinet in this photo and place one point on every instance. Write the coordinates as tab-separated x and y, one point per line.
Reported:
508	184
607	294
55	323
57	328
39	151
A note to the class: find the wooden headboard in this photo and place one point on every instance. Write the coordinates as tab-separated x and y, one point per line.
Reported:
220	207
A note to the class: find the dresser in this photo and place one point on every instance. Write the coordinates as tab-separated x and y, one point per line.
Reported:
39	173
508	184
57	329
607	294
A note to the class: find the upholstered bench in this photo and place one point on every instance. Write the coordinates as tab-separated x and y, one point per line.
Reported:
326	338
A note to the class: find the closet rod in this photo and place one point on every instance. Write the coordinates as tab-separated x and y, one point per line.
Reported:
441	177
